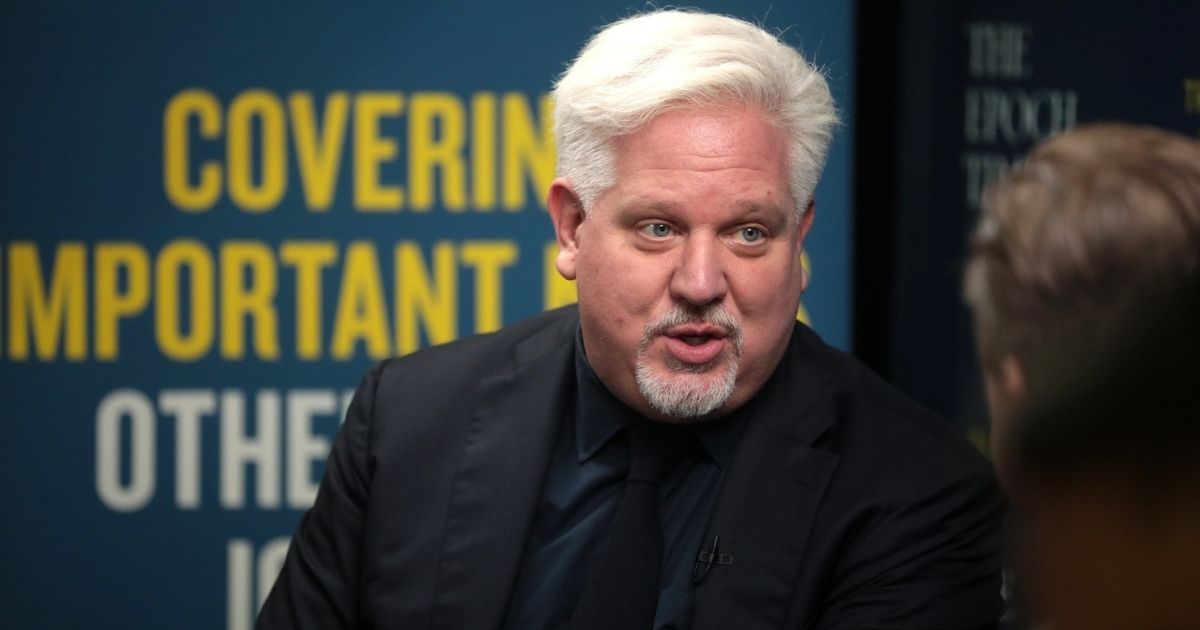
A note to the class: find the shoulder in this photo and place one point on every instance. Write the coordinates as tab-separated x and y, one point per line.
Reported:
410	407
473	358
909	524
877	432
427	392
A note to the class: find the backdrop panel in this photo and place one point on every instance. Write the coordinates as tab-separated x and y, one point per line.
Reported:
979	84
215	217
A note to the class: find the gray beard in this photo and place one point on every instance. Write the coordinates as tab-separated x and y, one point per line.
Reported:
676	394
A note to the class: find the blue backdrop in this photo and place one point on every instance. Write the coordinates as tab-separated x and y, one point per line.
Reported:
215	217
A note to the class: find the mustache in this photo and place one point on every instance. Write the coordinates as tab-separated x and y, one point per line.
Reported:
714	315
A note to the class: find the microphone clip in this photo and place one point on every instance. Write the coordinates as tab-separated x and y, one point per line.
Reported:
707	559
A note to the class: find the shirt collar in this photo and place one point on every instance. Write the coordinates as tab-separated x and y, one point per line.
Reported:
600	416
720	437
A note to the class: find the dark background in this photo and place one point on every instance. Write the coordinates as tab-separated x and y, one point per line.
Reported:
1127	60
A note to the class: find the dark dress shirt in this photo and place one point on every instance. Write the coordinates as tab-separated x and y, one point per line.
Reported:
580	495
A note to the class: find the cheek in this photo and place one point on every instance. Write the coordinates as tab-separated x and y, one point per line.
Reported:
622	284
768	291
767	299
617	294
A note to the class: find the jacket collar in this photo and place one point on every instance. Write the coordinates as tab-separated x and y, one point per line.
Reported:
770	496
515	419
765	510
599	417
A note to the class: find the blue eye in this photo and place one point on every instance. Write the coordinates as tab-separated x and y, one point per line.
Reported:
657	230
750	234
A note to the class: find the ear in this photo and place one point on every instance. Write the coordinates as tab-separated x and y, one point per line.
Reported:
1004	381
1012	377
566	211
806	221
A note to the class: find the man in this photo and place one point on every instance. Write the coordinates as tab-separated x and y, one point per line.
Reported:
1084	283
677	452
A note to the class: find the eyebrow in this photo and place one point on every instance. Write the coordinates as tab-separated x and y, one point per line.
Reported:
771	213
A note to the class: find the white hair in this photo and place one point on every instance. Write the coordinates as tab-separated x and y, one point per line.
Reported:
640	67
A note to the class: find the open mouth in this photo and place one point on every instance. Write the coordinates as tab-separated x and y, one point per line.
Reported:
695	334
695	344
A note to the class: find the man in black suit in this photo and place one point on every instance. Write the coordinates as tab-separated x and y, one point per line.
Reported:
677	451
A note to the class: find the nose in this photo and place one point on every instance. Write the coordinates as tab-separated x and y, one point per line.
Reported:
699	279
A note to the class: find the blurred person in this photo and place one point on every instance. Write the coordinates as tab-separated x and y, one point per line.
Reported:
677	451
1084	284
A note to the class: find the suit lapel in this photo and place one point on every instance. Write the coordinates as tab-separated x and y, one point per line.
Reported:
768	501
498	479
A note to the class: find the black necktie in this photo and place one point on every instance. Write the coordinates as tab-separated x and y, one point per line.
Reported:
622	585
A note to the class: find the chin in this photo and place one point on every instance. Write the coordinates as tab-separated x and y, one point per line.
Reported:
686	394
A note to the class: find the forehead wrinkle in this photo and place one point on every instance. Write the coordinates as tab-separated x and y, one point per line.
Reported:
745	210
708	139
653	161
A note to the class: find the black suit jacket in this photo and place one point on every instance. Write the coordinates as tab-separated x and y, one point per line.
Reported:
846	505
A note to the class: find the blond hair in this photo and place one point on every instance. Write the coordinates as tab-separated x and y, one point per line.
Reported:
1094	223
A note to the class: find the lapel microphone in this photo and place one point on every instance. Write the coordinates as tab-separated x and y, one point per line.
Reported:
707	559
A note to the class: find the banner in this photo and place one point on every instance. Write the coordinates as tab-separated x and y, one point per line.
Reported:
980	84
216	217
